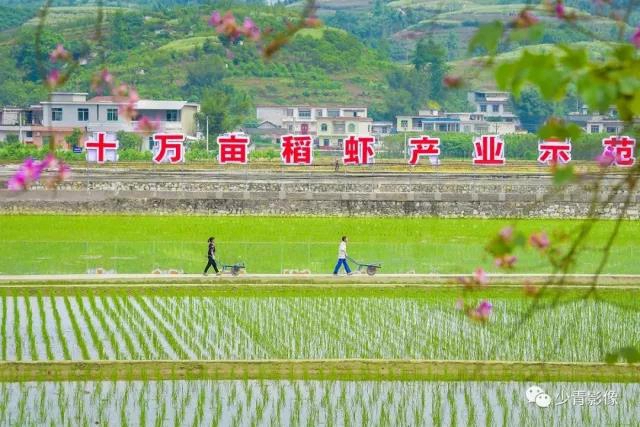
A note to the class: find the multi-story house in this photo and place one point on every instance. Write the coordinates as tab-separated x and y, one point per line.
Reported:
55	119
332	131
491	115
17	122
329	125
597	123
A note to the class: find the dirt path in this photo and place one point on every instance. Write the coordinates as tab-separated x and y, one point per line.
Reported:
347	369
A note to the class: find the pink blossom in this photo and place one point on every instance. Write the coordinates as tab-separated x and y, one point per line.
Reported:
559	9
29	171
459	304
506	261
250	29
59	53
607	158
539	240
215	19
506	233
635	39
64	171
18	181
483	310
146	125
480	276
53	79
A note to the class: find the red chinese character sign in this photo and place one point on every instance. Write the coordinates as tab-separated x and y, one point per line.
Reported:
358	150
488	150
554	152
233	148
296	150
423	146
168	148
621	149
103	148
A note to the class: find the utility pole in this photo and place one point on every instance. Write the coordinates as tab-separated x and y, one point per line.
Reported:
207	131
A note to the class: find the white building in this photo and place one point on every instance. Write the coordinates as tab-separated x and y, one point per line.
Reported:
491	115
329	125
608	123
65	112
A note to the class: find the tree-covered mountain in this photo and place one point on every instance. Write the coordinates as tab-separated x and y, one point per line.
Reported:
389	55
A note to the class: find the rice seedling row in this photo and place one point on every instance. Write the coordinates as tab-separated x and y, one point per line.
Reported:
223	328
240	403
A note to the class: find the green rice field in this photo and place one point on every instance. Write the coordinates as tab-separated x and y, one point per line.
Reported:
426	327
305	354
312	403
142	244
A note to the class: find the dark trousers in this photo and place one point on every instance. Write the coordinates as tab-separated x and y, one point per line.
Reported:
340	263
211	263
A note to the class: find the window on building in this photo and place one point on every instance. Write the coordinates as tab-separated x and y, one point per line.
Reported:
83	114
324	127
595	129
404	123
112	114
612	130
56	114
483	108
304	113
290	128
355	114
289	112
495	108
352	128
318	113
29	134
333	113
325	142
172	115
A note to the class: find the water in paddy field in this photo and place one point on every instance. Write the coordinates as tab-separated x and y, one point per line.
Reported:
225	328
291	403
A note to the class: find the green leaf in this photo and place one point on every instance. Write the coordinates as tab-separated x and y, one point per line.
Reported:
488	37
555	128
563	174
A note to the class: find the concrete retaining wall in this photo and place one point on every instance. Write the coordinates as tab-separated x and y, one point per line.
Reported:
447	195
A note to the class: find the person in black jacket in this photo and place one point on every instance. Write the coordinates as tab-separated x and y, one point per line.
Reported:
211	254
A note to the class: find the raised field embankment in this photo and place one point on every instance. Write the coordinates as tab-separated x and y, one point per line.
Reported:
272	193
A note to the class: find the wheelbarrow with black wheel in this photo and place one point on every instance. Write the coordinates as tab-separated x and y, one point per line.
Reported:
370	268
234	269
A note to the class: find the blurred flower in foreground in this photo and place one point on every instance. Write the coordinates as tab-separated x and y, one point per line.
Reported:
539	240
147	126
53	78
606	158
31	170
227	26
482	311
59	54
479	278
635	38
506	261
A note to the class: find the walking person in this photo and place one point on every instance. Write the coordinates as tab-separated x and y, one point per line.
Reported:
342	257
211	254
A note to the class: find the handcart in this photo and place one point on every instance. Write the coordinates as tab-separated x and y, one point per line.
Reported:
370	268
234	269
